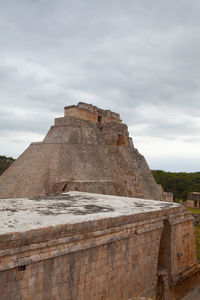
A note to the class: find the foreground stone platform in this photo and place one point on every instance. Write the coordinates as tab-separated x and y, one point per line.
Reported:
73	207
89	246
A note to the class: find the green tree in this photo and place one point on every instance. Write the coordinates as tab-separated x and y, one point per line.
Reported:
5	162
180	184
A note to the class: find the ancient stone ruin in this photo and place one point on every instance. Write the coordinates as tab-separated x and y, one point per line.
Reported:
89	150
61	241
193	200
90	246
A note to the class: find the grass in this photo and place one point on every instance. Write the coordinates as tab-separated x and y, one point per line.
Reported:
197	239
196	231
194	210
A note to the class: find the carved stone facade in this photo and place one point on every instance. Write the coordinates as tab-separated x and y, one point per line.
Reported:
89	150
89	112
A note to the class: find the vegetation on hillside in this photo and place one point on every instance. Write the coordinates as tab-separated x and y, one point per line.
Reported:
5	162
180	184
197	239
196	213
194	210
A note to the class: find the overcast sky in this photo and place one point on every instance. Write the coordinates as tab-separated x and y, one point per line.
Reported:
140	58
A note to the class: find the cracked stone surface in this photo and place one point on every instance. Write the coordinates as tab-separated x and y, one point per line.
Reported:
21	214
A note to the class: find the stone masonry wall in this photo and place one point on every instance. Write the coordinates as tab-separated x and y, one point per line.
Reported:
193	203
92	113
81	114
119	262
112	259
177	256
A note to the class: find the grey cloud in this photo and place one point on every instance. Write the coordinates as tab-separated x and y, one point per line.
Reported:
174	164
128	56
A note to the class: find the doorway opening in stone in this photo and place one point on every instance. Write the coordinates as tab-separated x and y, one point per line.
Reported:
21	268
120	140
162	290
64	189
100	119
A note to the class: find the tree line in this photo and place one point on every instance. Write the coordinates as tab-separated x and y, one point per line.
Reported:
5	162
180	184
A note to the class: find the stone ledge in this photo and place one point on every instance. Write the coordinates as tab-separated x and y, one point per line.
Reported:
186	273
29	254
137	228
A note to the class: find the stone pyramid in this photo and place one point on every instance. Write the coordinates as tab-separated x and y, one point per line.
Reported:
89	150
